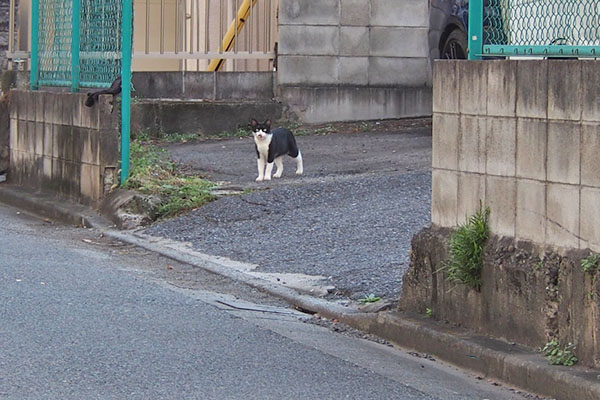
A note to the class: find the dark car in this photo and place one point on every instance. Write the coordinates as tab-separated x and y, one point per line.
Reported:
448	27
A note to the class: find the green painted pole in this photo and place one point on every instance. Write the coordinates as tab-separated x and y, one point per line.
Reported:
475	29
75	45
126	49
35	44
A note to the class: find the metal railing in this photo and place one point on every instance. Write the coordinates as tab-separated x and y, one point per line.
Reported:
175	35
544	28
196	32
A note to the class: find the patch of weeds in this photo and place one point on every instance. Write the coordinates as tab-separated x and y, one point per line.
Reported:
316	130
466	250
181	137
429	312
560	356
590	263
153	173
239	132
540	264
370	299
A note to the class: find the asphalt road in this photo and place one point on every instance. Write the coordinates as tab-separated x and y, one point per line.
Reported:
83	317
348	220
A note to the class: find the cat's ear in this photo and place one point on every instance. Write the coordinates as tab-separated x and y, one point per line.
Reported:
253	123
268	123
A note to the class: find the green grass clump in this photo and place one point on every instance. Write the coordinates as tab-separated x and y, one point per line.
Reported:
466	250
590	263
152	172
560	356
370	299
181	137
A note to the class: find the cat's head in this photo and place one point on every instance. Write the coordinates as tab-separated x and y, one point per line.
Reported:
260	130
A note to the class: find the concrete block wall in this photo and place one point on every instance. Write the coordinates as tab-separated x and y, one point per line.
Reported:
194	85
59	145
522	137
354	59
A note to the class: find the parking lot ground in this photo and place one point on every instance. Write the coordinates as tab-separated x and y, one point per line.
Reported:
345	225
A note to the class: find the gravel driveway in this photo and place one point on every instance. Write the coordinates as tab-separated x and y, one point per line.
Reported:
350	218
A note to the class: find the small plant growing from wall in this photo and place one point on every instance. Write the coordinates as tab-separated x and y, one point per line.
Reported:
560	356
590	263
467	245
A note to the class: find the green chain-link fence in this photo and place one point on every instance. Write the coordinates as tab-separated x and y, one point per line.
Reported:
85	43
565	28
55	42
100	57
79	42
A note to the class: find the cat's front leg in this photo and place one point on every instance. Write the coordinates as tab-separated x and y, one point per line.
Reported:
268	171
261	168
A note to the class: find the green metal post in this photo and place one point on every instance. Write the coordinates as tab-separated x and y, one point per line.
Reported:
35	44
475	29
75	45
126	48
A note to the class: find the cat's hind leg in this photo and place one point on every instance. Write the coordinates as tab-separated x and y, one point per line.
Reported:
299	164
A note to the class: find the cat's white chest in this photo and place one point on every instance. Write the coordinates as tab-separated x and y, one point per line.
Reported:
263	145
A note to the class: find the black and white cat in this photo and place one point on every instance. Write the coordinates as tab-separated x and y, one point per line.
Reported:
271	146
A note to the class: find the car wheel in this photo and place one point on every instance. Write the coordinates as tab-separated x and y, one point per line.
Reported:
455	47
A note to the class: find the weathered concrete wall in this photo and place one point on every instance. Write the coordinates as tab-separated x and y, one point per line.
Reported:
158	117
524	138
4	136
205	103
58	144
530	294
186	85
354	59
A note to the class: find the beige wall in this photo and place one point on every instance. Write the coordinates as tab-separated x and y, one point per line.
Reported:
523	137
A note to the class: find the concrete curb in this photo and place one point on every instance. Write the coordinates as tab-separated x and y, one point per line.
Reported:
492	359
43	205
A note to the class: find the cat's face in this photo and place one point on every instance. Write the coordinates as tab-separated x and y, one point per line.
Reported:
260	130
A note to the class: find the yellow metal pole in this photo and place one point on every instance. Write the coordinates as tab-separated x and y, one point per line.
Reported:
229	38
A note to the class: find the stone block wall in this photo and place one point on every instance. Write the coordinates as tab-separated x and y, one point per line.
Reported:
195	85
354	59
59	145
522	137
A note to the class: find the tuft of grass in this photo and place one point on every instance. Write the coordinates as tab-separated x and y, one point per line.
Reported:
540	264
429	312
240	132
181	137
370	299
153	173
560	356
466	250
590	263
